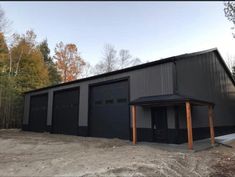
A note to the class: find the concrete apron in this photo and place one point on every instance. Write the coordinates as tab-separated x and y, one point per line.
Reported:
198	145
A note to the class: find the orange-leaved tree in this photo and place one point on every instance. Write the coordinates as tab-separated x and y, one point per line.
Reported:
68	61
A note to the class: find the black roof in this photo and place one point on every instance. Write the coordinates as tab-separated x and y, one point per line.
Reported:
171	99
145	65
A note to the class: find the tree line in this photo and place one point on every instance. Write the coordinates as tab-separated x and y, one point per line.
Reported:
229	11
26	64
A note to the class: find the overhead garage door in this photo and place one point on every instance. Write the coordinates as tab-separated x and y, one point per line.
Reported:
38	113
66	112
109	110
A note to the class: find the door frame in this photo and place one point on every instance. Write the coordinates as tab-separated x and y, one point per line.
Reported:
53	104
111	81
154	139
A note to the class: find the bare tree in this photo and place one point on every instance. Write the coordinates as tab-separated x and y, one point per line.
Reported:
86	70
3	20
230	61
109	62
135	61
124	58
229	10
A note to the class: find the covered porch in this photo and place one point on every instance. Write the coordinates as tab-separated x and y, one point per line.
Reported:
174	100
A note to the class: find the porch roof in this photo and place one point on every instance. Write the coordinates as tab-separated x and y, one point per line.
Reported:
168	100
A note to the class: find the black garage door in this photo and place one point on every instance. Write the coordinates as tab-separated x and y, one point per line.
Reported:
109	110
66	112
38	113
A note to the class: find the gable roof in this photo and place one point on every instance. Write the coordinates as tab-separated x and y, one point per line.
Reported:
145	65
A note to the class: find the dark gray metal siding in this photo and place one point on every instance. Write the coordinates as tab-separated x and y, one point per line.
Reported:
204	77
148	81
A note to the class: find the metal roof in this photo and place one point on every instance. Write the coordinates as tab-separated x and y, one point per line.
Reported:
145	65
171	99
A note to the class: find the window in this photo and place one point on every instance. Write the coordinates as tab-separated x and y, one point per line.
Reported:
98	102
108	101
121	100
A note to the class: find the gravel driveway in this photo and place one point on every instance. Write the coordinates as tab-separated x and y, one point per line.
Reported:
43	154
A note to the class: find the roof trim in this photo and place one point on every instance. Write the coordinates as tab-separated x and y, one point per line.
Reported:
141	66
225	66
170	99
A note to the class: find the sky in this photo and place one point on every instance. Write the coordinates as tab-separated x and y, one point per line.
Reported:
149	30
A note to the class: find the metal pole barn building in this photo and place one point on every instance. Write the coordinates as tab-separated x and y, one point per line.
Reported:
173	100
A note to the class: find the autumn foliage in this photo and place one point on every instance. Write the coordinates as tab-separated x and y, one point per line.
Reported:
26	64
68	61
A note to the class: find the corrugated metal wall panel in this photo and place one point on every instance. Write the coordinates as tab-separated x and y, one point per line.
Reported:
26	109
50	105
205	78
149	81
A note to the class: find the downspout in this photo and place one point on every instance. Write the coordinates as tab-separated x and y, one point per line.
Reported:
175	83
176	108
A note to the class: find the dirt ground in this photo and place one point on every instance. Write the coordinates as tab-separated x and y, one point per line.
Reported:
43	154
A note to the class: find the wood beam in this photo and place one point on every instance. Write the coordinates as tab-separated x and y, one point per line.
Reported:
133	110
211	125
189	125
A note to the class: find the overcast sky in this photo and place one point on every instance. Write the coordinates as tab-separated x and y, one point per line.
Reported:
150	30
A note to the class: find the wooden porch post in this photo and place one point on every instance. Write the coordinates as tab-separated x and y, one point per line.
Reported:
210	115
189	125
133	111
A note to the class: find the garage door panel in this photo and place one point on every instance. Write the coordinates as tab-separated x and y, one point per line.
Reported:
65	111
109	110
38	113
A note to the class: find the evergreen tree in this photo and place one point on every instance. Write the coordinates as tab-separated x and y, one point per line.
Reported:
53	74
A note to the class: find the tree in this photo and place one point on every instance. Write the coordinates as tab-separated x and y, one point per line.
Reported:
11	103
109	61
27	66
43	47
124	57
11	109
126	60
87	70
230	61
136	61
21	69
233	72
4	22
229	10
3	55
68	61
22	46
53	74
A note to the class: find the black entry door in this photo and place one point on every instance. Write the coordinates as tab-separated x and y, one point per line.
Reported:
38	113
109	110
66	112
159	124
